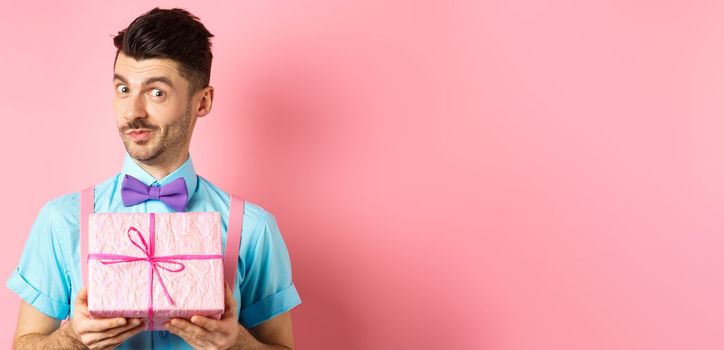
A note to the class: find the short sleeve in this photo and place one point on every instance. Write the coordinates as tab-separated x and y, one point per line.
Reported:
266	289
40	277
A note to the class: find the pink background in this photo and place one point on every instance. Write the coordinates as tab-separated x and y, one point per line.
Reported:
467	175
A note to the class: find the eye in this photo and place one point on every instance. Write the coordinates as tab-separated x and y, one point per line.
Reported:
122	89
157	93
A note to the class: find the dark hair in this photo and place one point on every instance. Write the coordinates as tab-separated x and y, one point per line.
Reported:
175	34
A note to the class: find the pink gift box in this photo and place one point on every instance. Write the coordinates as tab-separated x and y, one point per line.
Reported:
184	248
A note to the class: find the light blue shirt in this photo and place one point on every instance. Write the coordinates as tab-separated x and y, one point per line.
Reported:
48	276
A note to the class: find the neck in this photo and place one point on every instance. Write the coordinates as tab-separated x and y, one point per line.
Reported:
160	168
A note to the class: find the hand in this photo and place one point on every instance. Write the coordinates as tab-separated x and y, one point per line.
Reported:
100	333
208	333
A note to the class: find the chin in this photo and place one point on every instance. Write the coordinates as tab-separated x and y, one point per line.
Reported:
142	152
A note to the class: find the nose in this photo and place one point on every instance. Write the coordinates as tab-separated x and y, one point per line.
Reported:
135	107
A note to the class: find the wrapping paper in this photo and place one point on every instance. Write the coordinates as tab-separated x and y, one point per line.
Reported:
121	289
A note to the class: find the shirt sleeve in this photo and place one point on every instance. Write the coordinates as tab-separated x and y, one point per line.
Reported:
40	277
266	289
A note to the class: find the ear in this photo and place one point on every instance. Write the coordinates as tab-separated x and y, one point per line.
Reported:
205	100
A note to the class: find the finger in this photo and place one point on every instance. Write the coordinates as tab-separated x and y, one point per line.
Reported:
99	336
130	324
193	339
188	330
208	324
102	324
121	337
187	337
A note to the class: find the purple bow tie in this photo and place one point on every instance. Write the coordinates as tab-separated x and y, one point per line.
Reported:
173	194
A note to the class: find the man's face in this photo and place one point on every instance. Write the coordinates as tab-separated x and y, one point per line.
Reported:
153	108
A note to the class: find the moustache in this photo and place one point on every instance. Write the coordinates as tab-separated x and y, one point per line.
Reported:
138	124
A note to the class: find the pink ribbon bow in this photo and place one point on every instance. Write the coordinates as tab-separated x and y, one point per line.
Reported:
154	262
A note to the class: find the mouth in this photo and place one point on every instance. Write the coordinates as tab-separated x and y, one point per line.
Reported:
139	134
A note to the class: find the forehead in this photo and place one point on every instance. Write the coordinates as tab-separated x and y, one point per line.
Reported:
136	71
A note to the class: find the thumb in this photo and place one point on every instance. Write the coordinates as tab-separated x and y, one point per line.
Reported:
82	295
229	302
81	302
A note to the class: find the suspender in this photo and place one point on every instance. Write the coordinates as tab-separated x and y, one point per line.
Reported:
233	240
87	204
233	235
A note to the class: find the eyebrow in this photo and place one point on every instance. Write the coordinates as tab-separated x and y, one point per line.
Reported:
148	81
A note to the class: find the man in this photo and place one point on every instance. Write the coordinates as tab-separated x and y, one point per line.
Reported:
161	82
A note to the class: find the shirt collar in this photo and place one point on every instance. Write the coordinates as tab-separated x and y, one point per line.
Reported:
186	170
